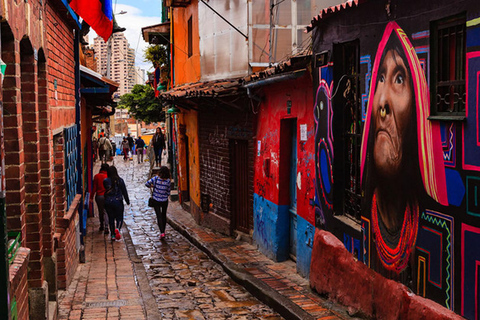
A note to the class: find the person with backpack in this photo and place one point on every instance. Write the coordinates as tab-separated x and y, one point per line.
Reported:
139	146
161	186
104	149
115	193
99	194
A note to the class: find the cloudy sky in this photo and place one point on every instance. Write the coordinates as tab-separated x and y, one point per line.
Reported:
140	13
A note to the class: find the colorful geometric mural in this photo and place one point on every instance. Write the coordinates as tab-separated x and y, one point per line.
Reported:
470	271
435	247
471	132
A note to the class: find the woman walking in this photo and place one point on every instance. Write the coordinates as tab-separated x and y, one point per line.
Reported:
115	192
158	142
161	191
126	148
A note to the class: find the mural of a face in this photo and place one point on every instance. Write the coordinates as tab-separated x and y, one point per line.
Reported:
401	159
392	115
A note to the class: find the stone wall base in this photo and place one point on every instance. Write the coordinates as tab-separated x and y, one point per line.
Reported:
38	301
335	273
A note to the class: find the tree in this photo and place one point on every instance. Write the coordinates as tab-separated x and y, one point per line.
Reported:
142	104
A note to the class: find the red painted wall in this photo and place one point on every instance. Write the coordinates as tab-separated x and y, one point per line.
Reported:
272	109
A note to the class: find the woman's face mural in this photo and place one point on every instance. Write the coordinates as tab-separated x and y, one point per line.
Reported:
392	114
401	161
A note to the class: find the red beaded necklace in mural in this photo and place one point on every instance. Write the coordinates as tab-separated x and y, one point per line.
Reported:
396	259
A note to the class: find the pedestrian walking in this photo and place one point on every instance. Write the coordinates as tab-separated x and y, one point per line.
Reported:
104	148
158	142
95	148
99	194
131	142
126	148
115	193
161	186
139	147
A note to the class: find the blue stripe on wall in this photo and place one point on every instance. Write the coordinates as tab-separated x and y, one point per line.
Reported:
305	233
270	228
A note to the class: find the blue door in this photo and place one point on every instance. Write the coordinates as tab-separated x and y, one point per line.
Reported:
293	192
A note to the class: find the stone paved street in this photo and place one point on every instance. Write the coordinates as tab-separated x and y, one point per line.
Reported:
185	282
142	277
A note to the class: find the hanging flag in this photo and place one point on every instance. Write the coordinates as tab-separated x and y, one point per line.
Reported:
97	13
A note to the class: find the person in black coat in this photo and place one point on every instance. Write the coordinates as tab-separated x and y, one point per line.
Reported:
115	192
158	142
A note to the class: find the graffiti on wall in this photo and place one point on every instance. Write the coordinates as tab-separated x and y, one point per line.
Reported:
323	114
403	150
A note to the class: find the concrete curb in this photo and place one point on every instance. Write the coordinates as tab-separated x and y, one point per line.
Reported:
149	302
285	307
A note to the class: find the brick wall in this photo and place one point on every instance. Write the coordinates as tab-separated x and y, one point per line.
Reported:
31	136
215	170
18	282
67	253
61	70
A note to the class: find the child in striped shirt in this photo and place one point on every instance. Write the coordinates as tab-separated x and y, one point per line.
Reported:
161	190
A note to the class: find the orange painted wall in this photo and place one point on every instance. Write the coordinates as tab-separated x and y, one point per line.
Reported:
191	120
187	69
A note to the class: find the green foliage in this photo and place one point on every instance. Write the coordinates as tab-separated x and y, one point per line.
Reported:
142	104
157	55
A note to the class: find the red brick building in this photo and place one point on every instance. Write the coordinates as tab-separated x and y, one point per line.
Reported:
40	133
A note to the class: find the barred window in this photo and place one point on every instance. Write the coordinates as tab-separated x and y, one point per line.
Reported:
448	67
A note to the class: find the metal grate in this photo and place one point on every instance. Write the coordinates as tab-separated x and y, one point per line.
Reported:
106	304
71	155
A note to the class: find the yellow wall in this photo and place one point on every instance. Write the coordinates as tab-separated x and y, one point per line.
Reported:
187	69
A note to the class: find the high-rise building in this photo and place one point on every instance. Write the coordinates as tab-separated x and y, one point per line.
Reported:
139	75
122	61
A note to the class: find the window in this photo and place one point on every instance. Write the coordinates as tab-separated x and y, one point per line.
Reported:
190	37
448	95
347	130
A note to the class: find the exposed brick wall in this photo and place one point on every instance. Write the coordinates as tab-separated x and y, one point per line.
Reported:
14	144
18	282
67	254
46	161
215	170
61	69
29	90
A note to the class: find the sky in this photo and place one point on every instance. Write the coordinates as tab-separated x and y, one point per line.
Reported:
140	13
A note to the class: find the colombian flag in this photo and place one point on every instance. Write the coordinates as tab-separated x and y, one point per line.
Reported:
97	13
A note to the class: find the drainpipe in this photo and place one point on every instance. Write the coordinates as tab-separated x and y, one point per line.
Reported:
78	101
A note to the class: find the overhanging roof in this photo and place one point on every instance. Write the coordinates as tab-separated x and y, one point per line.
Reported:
332	10
157	34
97	89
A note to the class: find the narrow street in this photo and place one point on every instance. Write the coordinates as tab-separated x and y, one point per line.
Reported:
186	284
141	277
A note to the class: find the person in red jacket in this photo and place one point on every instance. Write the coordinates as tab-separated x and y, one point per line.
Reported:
99	193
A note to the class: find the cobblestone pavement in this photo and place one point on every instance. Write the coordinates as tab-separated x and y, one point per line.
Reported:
185	282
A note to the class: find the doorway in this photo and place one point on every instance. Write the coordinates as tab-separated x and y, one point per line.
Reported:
288	179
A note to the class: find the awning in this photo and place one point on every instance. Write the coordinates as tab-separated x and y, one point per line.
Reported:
157	34
97	91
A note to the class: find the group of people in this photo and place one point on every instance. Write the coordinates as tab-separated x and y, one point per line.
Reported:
109	192
105	148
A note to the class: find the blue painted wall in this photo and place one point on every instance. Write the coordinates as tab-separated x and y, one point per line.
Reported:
305	232
270	228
